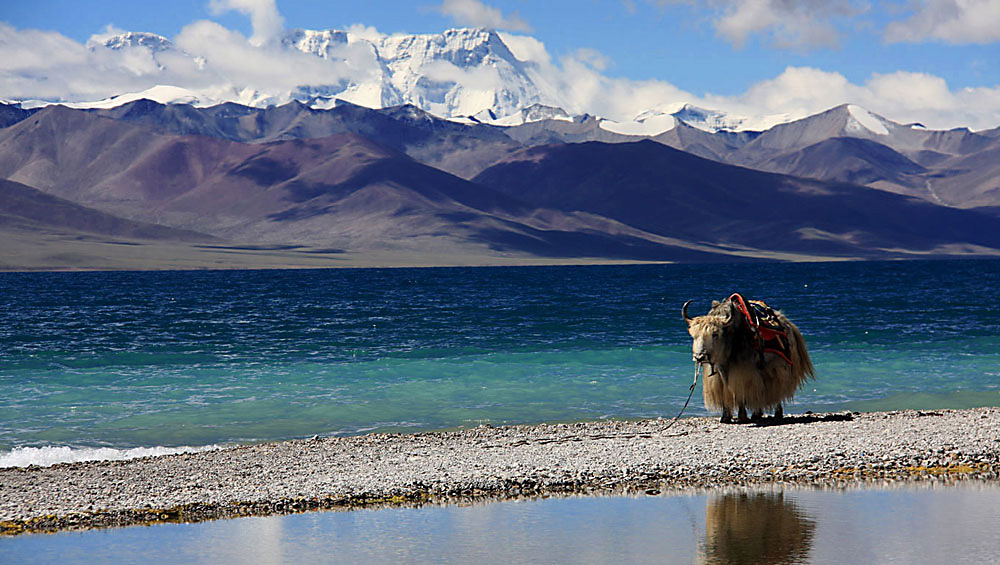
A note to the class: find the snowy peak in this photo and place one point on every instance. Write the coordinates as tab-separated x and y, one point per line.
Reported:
160	93
706	120
853	121
131	39
842	121
461	72
534	113
649	123
320	43
714	121
863	120
466	47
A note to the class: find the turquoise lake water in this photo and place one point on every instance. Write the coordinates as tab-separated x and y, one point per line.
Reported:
126	360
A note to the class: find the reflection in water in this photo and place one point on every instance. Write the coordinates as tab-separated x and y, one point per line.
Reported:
756	528
915	524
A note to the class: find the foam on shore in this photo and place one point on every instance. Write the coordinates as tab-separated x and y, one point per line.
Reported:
48	456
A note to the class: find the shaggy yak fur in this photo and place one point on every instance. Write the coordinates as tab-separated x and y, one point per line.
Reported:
734	378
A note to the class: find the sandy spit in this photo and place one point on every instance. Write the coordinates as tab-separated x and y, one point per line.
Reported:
503	462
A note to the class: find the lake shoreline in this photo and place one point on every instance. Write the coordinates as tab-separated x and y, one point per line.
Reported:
494	463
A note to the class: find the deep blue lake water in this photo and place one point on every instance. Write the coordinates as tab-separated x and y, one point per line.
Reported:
123	360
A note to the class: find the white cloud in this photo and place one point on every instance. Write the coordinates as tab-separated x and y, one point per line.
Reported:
577	84
211	58
206	57
47	65
367	33
592	58
233	60
785	24
30	49
951	21
798	91
808	24
526	48
264	16
476	14
904	97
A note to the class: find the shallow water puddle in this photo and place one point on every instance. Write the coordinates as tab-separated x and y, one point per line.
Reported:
913	524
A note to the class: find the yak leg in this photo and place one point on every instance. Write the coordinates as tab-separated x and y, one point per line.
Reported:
727	415
779	413
757	416
742	417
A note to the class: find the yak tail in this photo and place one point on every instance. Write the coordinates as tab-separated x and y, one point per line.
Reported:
805	369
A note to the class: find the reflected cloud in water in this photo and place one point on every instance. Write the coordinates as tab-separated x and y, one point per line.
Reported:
916	524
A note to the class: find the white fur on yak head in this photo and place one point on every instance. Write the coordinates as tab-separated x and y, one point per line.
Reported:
712	333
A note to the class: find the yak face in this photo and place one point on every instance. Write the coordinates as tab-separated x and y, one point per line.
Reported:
711	342
709	345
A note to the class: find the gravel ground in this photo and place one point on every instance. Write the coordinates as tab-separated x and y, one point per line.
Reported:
486	462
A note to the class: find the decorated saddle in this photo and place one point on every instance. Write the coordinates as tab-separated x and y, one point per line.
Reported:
769	334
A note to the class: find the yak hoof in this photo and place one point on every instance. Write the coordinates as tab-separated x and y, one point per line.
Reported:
779	414
742	417
727	416
758	416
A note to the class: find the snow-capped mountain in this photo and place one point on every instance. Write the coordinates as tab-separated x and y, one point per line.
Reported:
461	72
375	90
468	75
455	74
118	41
648	123
533	113
853	121
714	121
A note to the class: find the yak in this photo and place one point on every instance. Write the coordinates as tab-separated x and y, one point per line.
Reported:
751	356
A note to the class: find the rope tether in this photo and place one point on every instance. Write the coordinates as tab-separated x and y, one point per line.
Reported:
697	369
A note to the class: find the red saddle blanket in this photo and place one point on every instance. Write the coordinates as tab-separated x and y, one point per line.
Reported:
770	335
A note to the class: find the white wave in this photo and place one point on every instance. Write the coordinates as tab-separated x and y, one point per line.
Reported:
46	456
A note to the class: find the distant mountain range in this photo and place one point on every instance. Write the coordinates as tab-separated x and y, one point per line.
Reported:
449	149
430	71
146	184
466	74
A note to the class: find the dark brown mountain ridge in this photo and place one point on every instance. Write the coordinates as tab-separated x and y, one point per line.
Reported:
669	192
340	191
385	184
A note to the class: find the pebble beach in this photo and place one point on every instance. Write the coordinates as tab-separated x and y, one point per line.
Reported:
648	456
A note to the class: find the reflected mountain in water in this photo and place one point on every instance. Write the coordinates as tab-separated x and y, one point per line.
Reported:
756	528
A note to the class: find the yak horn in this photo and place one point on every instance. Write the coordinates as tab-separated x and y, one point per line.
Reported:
684	311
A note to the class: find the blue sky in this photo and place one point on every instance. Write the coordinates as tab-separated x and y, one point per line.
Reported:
942	56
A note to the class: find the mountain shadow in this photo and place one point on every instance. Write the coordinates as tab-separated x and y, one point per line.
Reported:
671	193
